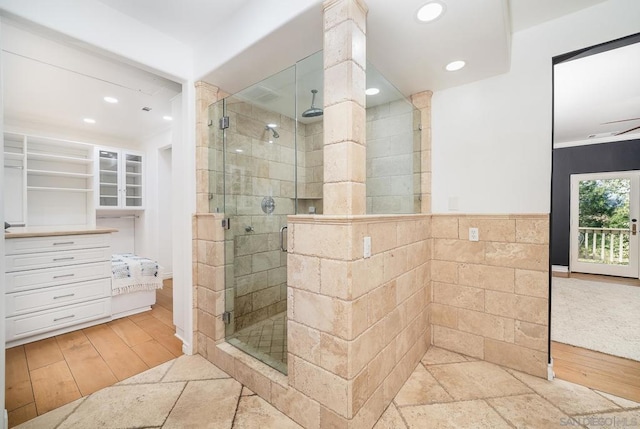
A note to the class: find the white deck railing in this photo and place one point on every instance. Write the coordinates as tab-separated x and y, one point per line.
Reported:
607	245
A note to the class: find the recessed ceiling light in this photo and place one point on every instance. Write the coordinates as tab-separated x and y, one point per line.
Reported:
89	121
372	91
111	100
272	125
167	118
430	11
455	65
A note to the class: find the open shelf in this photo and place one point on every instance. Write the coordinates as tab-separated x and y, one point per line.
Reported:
59	173
13	155
48	188
60	158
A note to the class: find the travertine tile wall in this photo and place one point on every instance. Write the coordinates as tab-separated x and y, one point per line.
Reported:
257	166
357	327
310	185
206	95
490	297
422	101
345	62
208	279
393	158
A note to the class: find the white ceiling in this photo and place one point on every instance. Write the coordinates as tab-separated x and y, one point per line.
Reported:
52	86
528	13
184	20
59	84
597	95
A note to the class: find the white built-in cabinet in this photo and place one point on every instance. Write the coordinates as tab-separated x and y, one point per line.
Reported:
51	181
120	183
56	284
48	181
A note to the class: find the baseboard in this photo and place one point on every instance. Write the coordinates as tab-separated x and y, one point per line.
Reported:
559	271
167	276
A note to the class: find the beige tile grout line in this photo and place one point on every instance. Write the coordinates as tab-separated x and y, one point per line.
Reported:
532	392
176	402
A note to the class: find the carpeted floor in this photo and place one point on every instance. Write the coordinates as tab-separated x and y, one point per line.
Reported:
597	316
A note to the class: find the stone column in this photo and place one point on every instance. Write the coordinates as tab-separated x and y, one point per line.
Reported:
422	101
344	107
208	275
206	95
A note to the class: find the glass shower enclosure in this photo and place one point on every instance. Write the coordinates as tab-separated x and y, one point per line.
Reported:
266	149
258	153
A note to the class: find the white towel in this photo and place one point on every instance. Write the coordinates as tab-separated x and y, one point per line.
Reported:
131	273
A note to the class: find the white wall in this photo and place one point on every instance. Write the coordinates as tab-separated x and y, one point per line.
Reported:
165	205
2	308
184	206
491	140
149	230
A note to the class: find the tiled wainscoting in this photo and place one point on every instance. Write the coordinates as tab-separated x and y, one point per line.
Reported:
491	297
357	327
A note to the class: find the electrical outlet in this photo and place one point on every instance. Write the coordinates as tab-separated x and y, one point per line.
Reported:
473	234
367	247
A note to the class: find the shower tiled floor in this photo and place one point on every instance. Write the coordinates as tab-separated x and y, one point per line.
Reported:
266	341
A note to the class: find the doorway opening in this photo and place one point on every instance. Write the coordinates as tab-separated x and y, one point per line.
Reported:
595	208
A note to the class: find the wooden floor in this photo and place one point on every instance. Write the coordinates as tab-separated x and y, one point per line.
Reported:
47	374
611	374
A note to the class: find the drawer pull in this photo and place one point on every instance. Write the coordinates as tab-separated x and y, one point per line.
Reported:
63	275
65	317
64	296
62	243
64	259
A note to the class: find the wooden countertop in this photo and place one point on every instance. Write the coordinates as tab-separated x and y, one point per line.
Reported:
53	231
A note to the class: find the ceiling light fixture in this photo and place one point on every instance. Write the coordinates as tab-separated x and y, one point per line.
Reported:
272	125
167	118
372	91
89	121
239	150
111	100
430	12
455	65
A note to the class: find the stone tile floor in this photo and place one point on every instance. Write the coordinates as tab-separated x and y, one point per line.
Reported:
266	341
446	390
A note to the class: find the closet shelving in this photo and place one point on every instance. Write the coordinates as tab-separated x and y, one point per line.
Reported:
48	181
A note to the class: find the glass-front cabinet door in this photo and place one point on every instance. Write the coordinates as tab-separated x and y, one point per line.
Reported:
121	179
108	192
133	181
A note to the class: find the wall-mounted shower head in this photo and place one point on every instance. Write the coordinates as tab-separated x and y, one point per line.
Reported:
312	111
275	133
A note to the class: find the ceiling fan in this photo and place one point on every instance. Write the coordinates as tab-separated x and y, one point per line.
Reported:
624	120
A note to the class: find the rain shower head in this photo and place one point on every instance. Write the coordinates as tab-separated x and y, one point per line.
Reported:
275	133
312	111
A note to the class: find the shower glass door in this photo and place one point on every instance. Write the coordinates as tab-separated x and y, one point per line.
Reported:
258	151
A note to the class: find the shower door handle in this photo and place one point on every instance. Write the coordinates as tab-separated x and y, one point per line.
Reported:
284	249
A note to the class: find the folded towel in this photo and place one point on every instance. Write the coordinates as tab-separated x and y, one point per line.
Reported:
131	273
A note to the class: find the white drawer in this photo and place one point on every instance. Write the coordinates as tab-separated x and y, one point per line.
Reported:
57	296
49	320
56	259
14	246
33	279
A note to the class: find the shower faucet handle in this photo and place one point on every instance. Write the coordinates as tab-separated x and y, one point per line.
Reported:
248	228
